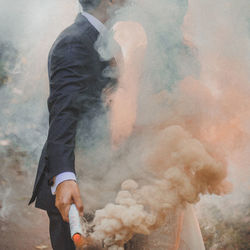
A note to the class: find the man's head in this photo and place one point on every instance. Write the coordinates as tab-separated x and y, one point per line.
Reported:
100	7
89	4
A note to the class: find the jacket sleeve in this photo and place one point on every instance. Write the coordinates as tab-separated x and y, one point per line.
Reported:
70	77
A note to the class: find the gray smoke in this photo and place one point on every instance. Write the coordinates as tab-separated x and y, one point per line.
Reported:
194	75
28	29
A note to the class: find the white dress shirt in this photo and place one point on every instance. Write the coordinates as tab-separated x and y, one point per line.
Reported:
65	176
98	25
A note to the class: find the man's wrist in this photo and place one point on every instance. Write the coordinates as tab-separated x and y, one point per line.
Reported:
65	176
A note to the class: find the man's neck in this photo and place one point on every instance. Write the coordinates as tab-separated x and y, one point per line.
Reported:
102	17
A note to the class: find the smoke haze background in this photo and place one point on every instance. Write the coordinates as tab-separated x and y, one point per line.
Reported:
27	29
199	81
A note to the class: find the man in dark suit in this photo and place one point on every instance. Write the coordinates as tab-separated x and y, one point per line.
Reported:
76	86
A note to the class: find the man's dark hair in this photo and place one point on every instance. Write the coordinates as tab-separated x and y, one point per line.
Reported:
89	4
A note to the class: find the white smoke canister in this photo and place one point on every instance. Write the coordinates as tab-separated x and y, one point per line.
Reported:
74	221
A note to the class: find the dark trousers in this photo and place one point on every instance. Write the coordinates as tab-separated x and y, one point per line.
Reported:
59	232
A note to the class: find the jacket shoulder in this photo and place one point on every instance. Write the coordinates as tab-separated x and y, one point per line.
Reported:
76	33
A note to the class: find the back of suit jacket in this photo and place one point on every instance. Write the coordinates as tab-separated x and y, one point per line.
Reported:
76	85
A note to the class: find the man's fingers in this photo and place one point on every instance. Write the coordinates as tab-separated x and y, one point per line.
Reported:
63	205
68	193
66	213
79	204
64	210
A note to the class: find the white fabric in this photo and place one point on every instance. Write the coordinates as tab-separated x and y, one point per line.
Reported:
191	238
98	25
65	176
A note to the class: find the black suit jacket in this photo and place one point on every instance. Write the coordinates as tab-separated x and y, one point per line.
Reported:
76	84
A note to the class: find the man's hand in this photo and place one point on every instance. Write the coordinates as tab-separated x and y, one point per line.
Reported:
68	193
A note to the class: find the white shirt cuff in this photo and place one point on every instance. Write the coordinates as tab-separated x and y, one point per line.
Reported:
65	176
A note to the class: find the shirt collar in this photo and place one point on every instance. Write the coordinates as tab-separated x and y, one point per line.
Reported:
98	25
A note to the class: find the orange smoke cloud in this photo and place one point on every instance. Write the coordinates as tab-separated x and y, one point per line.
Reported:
179	168
187	135
133	41
179	171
